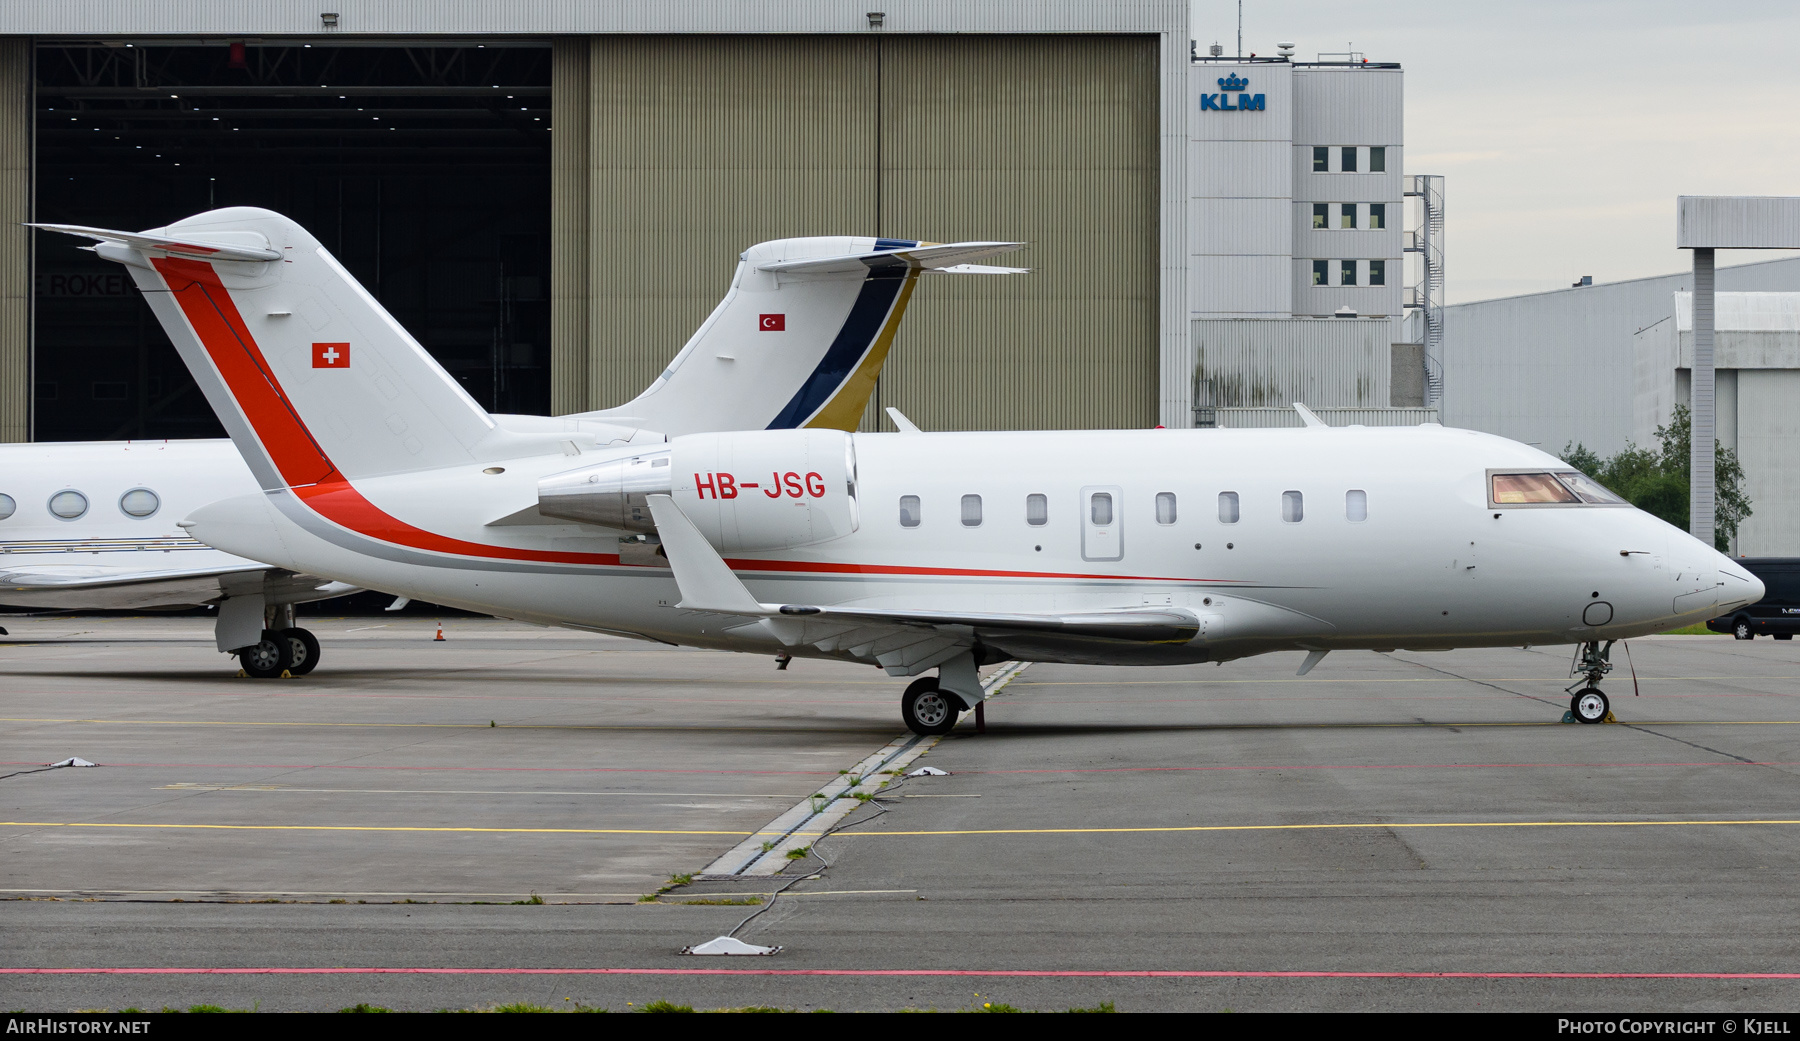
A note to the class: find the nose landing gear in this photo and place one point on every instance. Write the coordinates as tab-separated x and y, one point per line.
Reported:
1589	704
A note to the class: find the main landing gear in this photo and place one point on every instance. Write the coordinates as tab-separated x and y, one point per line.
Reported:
293	650
1589	704
928	710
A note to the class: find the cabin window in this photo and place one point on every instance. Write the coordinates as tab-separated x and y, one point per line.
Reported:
1293	507
1037	510
1228	507
909	511
1525	489
139	502
1100	508
68	504
1356	504
8	506
971	511
1165	507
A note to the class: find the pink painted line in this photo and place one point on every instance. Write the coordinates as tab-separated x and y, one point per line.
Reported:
1355	766
429	769
1015	973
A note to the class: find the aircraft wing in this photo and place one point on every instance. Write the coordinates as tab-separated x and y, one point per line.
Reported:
79	588
905	641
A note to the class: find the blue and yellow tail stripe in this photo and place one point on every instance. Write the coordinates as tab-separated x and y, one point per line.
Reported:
835	395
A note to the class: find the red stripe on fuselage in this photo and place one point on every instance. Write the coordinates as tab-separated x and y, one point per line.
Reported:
312	476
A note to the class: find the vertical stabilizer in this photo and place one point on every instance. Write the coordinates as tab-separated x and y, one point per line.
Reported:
314	380
799	338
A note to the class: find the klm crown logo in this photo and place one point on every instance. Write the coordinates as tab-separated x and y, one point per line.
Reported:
1230	84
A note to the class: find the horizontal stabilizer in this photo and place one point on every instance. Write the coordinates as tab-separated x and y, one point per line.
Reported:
254	247
949	258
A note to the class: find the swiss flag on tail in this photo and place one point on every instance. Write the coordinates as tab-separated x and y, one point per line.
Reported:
331	355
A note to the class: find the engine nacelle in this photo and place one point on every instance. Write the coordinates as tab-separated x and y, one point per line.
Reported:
745	491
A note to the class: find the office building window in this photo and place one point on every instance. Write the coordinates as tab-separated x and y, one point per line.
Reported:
1347	215
1346	272
1321	214
1377	216
1378	160
1321	273
1321	159
1349	163
1378	272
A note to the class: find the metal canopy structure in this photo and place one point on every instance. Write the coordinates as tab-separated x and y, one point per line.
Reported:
1704	223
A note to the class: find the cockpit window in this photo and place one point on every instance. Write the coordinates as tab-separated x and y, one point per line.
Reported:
1548	488
1520	489
1589	489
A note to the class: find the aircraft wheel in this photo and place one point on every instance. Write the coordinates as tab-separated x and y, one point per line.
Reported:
265	659
303	650
926	709
1589	706
1741	629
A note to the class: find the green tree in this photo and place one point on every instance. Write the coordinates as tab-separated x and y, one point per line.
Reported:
1657	480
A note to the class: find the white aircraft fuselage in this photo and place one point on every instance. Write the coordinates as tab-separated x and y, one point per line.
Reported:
1433	565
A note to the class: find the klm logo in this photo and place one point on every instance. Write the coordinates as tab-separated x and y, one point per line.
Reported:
1221	102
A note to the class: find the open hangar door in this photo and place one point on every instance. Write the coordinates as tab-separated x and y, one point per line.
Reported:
424	168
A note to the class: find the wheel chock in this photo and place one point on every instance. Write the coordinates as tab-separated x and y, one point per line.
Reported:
242	675
1608	718
286	675
1568	717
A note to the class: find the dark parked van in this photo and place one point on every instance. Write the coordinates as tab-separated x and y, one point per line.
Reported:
1777	614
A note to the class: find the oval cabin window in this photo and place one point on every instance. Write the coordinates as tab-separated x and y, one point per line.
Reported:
68	504
139	502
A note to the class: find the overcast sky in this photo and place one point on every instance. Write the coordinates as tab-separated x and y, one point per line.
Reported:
1565	130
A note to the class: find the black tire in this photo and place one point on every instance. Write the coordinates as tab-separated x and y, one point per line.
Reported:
1741	629
303	650
265	659
927	710
1589	705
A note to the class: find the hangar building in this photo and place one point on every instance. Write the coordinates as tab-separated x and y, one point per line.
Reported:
552	193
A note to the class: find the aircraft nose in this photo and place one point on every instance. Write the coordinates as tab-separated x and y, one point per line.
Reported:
1738	586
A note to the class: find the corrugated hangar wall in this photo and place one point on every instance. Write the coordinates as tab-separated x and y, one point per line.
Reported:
15	245
672	154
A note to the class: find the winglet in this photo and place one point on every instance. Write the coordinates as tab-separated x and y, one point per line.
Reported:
705	580
1313	657
906	426
1308	416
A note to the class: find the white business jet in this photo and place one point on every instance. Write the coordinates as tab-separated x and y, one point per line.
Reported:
910	551
92	525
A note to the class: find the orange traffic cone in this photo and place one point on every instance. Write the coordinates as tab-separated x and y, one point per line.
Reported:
440	635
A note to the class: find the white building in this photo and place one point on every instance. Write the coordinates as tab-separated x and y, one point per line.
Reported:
1756	359
1295	233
